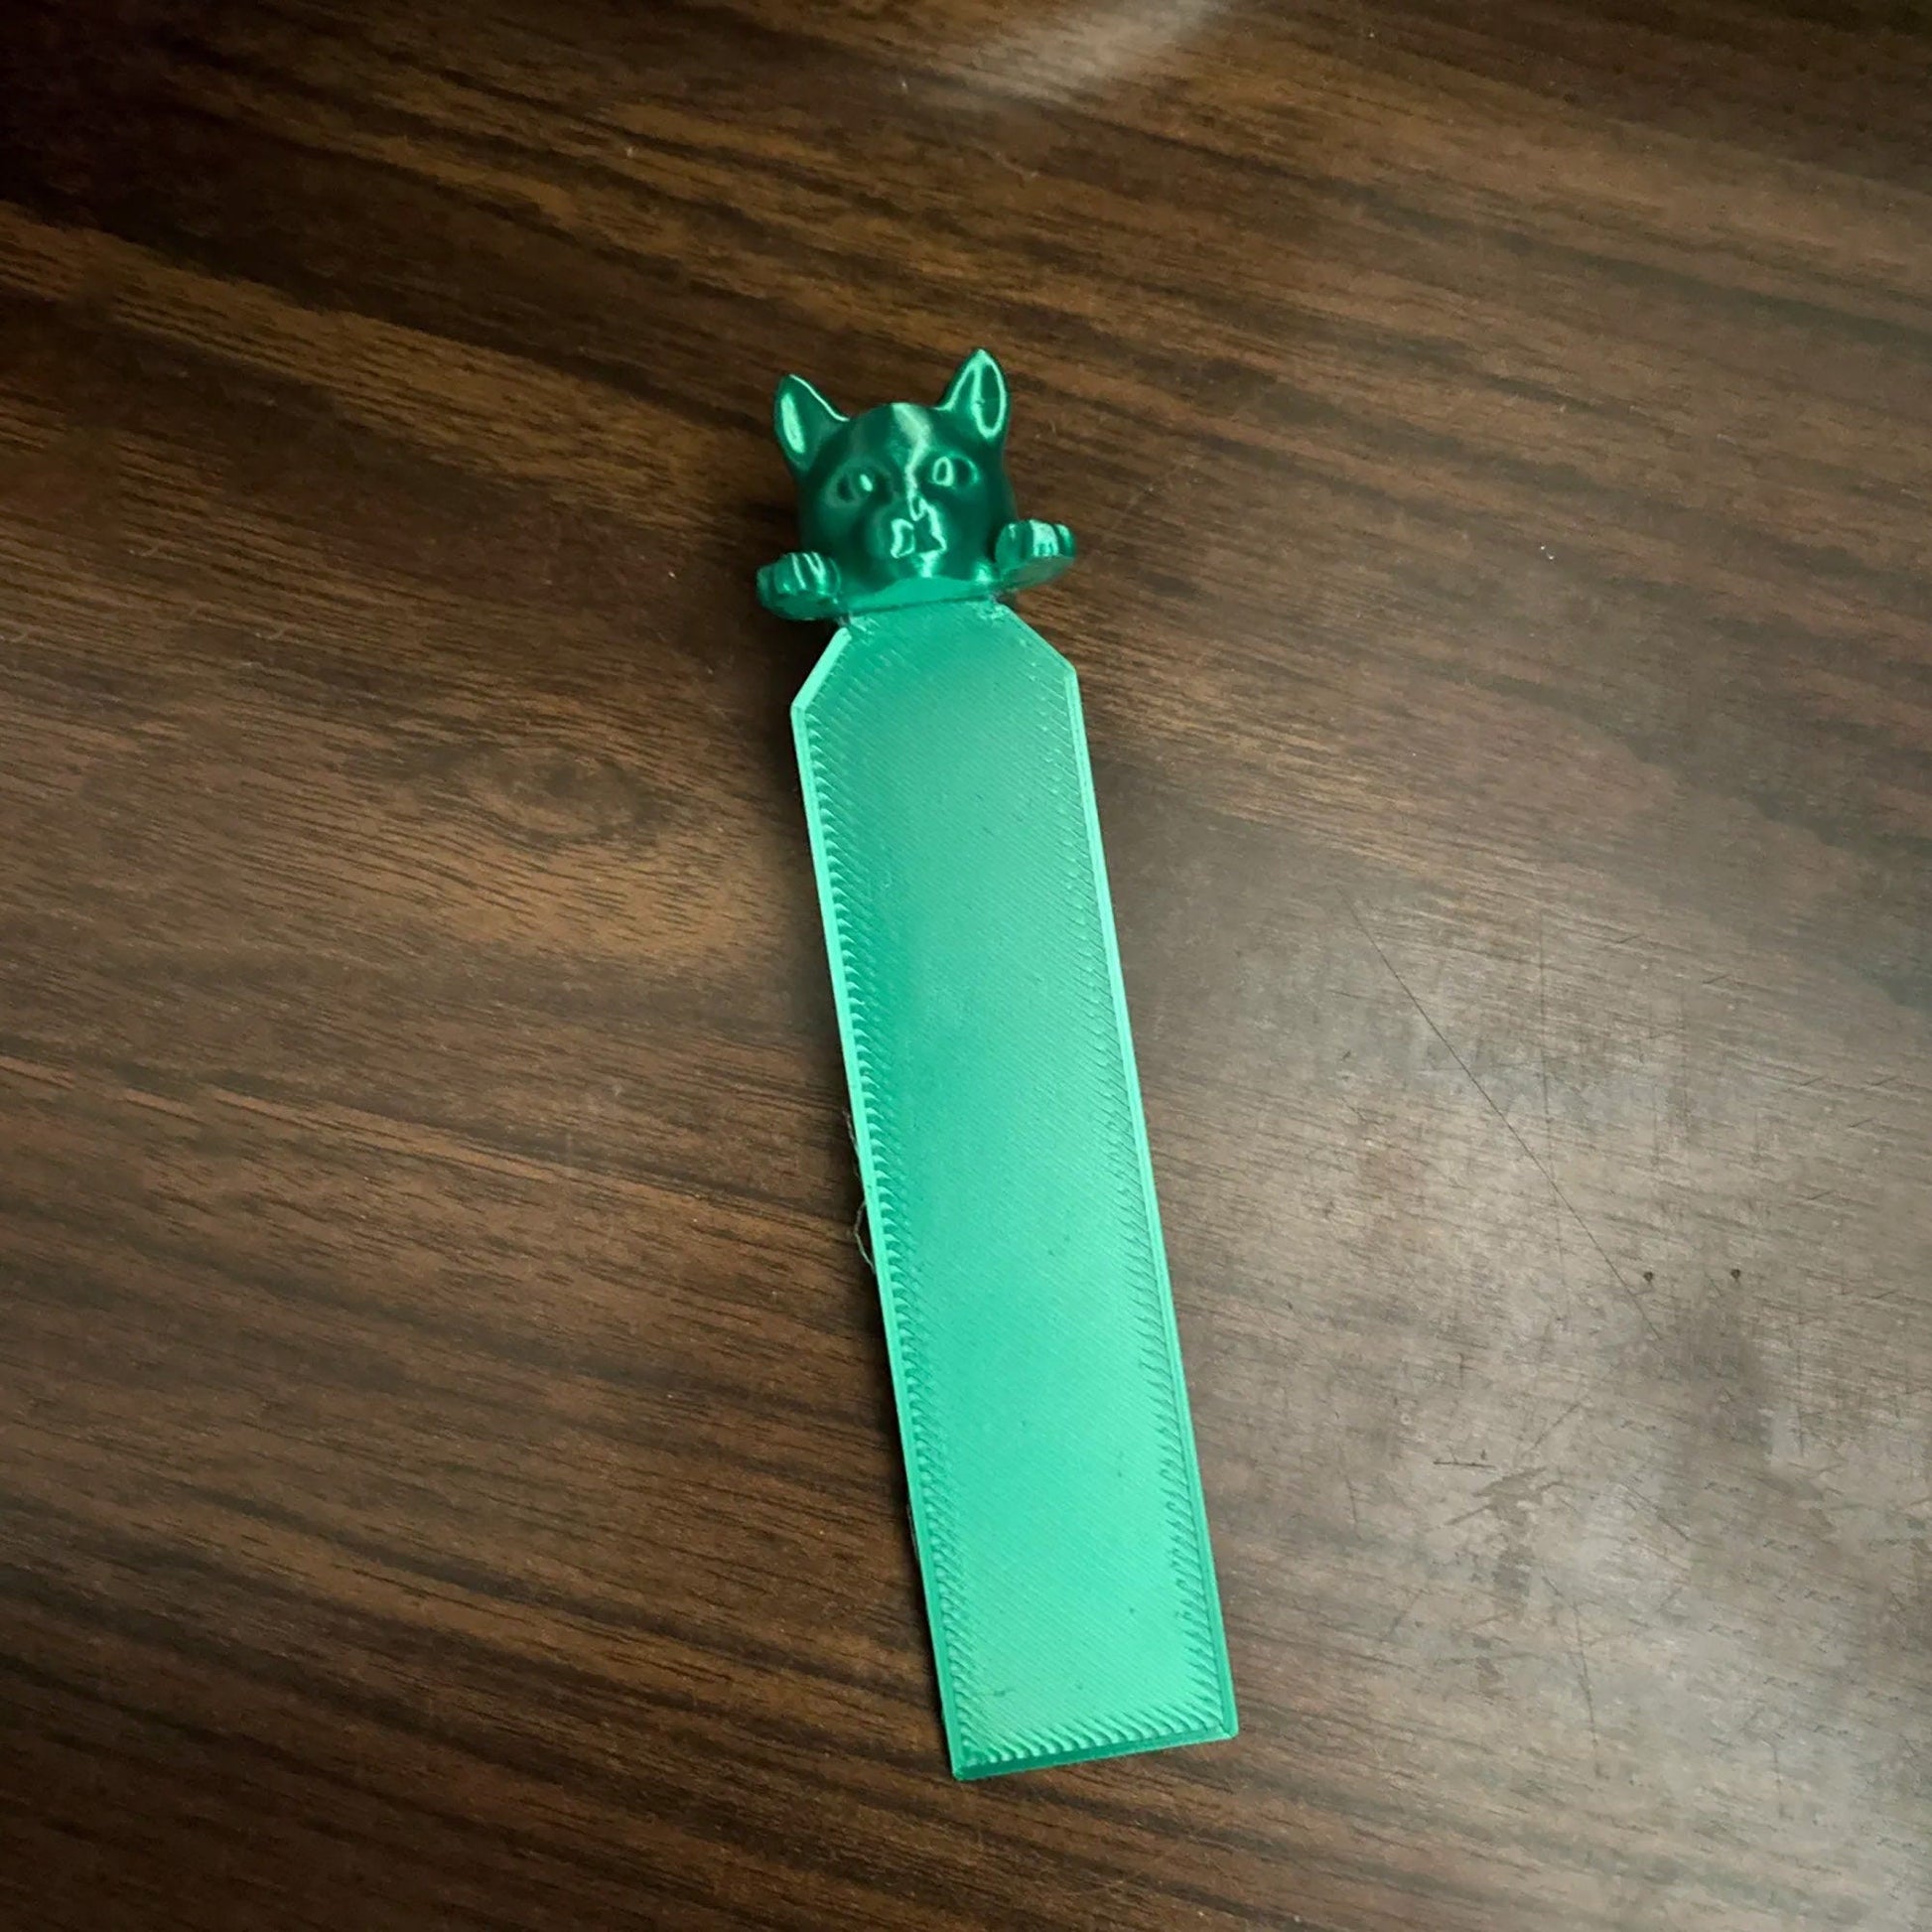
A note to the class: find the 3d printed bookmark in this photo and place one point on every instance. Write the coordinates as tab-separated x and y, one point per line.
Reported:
1051	1460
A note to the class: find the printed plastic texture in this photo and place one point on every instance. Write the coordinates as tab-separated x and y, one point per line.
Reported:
1056	1497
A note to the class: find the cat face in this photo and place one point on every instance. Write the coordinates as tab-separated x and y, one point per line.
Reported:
901	491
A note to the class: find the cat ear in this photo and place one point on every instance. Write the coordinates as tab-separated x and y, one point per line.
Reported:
804	420
978	398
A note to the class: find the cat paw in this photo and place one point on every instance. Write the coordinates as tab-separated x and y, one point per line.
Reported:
801	585
1031	552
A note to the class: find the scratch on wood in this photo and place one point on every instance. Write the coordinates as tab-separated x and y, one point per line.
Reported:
1629	1294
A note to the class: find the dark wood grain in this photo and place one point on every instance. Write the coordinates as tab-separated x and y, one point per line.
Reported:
447	1470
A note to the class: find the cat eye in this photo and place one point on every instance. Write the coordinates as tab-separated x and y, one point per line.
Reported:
851	486
950	472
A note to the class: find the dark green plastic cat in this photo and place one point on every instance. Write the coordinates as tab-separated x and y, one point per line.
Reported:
905	505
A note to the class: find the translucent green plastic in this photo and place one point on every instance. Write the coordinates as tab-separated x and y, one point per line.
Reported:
1055	1498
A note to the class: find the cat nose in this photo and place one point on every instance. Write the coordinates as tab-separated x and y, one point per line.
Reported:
913	527
910	535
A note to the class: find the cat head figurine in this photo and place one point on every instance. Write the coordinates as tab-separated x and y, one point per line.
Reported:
901	491
903	503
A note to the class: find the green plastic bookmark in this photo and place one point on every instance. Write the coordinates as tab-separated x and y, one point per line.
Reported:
1055	1498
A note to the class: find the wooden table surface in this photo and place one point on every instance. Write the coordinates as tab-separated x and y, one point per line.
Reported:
447	1476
